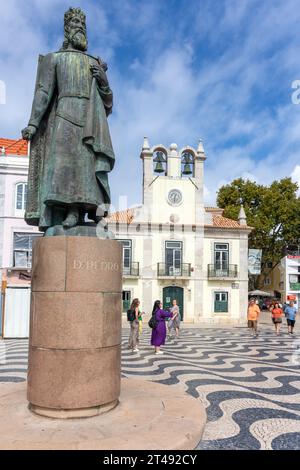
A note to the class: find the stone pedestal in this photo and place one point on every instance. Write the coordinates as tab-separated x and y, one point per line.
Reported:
75	326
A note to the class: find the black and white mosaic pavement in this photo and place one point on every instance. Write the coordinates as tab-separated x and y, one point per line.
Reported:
250	387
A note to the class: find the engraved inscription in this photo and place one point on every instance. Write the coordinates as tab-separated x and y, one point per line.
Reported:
91	264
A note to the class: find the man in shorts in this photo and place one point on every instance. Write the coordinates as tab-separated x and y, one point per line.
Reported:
290	312
252	315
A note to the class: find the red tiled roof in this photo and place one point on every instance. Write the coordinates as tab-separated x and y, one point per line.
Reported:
121	217
218	221
14	147
223	222
214	209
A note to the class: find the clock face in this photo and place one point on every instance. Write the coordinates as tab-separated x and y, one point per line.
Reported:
175	197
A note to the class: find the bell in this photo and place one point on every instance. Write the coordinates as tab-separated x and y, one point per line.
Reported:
159	168
159	160
159	157
187	158
187	169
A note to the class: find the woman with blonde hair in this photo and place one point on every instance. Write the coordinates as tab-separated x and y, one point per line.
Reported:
134	326
174	323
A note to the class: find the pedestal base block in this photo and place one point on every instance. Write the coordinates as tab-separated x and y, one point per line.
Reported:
67	414
73	379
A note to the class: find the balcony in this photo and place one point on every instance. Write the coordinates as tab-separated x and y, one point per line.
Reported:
164	270
295	286
227	273
133	270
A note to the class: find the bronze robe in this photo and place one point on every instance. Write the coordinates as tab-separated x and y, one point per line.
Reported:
71	153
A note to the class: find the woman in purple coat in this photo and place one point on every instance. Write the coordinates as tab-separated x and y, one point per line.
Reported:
159	333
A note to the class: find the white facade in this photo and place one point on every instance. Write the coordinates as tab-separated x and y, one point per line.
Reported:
174	247
290	277
16	239
13	184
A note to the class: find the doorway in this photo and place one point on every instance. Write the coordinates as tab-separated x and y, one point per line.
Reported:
174	292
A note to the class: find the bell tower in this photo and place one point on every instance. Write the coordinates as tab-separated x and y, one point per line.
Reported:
172	183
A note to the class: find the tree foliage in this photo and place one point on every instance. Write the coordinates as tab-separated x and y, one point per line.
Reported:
273	211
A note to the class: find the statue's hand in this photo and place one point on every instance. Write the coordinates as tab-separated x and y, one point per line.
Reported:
99	74
28	132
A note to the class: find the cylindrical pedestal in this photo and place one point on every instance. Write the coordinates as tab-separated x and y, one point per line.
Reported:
75	326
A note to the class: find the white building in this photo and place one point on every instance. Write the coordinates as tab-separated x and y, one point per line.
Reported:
290	277
174	247
16	239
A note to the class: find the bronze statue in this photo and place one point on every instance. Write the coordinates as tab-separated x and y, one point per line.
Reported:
71	151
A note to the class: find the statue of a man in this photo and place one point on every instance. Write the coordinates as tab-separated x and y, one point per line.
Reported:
71	150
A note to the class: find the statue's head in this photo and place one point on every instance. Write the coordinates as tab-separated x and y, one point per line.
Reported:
75	29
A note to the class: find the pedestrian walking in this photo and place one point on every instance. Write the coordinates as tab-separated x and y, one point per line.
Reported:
290	312
133	317
276	312
174	322
159	332
253	315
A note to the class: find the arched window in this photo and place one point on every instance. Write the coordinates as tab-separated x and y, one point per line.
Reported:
160	163
21	196
187	164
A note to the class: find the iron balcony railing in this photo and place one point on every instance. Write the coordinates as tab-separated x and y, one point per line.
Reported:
132	270
163	269
231	270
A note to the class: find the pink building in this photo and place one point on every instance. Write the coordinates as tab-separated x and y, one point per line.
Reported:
16	238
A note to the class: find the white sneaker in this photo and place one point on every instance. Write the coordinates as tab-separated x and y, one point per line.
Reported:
159	352
135	350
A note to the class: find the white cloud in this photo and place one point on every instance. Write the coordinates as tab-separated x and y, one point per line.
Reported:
295	175
221	73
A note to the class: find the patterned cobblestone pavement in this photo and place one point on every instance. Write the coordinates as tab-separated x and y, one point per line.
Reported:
249	386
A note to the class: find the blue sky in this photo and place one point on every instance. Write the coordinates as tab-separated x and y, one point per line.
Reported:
220	70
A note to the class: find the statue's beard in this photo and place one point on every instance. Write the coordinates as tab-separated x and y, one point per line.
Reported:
79	41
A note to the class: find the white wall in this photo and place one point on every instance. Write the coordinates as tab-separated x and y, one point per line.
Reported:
17	310
198	248
13	170
237	297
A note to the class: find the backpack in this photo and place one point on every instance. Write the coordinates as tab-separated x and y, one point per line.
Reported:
153	322
130	315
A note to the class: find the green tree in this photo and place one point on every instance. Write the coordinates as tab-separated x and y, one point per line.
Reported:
273	211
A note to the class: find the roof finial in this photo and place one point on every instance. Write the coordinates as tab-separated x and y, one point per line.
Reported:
200	148
146	145
242	216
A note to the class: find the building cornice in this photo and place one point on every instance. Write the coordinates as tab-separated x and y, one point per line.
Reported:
188	228
10	164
